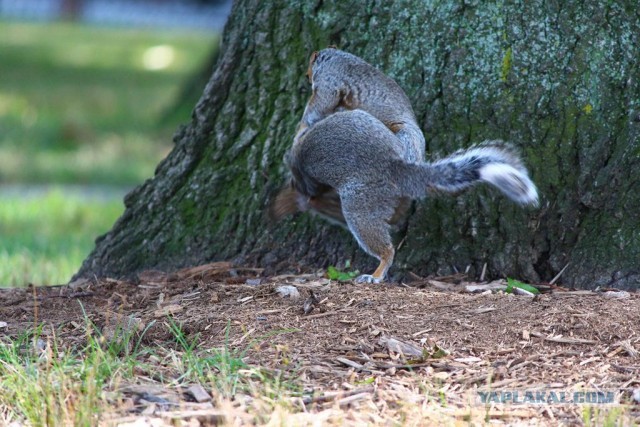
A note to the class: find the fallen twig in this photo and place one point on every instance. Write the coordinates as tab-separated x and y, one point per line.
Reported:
325	314
559	274
328	396
349	400
562	340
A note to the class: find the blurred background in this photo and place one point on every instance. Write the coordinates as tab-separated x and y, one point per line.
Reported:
91	92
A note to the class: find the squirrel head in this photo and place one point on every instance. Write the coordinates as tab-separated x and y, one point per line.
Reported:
319	56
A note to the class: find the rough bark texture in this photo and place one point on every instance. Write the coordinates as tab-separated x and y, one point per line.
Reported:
559	80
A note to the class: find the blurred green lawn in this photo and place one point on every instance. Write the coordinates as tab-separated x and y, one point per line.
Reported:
81	105
46	236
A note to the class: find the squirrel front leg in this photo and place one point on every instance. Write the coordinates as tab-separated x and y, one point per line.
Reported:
318	107
300	131
325	99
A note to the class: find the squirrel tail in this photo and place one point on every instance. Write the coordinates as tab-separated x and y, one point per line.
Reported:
289	202
492	162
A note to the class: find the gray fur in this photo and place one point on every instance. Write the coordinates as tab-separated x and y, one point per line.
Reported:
355	153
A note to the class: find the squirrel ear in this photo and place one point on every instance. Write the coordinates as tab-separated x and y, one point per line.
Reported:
312	60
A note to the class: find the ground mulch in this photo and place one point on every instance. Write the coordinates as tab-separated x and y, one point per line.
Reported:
369	353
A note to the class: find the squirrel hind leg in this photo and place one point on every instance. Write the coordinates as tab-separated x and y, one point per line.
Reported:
378	276
386	259
368	220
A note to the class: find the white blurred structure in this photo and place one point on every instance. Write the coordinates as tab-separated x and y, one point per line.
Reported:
131	13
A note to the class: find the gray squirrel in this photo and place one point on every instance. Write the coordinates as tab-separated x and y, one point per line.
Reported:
341	81
360	158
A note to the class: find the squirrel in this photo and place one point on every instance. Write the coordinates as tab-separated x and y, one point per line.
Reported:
342	81
359	156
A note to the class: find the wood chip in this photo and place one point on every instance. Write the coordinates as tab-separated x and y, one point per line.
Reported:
211	269
562	340
328	313
208	416
523	292
616	294
349	363
614	352
455	278
626	345
500	384
332	395
621	368
442	375
78	283
153	393
482	310
479	378
589	360
492	286
271	311
314	284
502	414
288	291
168	310
443	286
351	399
397	346
153	276
149	410
467	360
199	393
572	293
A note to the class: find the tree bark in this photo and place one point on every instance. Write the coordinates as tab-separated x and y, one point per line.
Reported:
557	79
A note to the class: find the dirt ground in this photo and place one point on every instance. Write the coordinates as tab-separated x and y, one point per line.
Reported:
428	350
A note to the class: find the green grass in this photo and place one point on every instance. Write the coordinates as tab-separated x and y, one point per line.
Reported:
84	104
43	383
224	368
46	237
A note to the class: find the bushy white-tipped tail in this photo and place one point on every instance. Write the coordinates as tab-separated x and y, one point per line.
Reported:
492	162
499	165
512	182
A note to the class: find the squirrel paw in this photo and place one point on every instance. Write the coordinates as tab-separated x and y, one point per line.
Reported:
368	278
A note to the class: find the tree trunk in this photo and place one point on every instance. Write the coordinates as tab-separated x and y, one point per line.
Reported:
558	80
